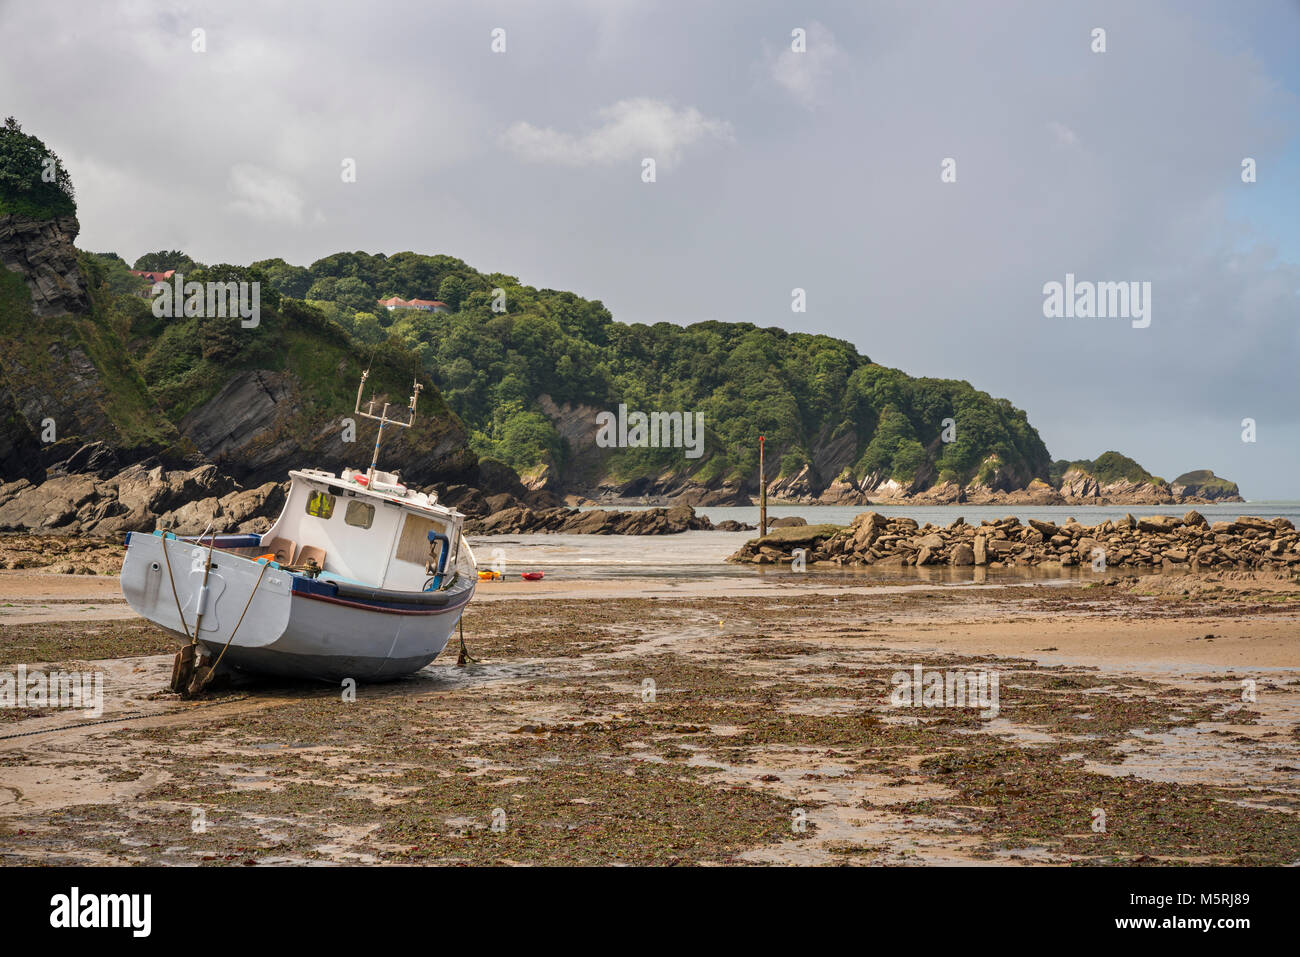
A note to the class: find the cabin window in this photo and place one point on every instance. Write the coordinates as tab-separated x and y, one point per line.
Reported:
413	545
359	514
320	504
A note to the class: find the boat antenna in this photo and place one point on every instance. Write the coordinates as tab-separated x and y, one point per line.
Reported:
383	419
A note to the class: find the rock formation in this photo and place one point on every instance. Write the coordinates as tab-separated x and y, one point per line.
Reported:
597	521
41	251
1161	541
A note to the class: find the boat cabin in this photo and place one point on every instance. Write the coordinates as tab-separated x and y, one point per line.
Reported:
368	530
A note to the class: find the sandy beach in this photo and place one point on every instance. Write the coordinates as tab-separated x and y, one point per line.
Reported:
741	719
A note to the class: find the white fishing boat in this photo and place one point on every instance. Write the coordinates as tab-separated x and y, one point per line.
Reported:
360	577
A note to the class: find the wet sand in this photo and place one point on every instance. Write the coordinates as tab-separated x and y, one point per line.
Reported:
766	736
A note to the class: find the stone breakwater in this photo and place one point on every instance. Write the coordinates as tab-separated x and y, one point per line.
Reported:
1158	541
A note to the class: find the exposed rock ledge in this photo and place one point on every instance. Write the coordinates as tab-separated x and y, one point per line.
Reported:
41	251
1077	488
1163	541
91	496
139	498
598	521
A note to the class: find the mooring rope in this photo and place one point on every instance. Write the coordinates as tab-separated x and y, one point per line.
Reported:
128	716
213	670
168	562
465	656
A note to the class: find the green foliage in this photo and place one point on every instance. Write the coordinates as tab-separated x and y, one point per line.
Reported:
37	355
1111	467
519	435
1106	468
1206	479
33	180
291	281
109	271
186	361
164	260
798	390
452	291
802	392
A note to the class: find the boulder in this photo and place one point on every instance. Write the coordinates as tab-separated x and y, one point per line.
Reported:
787	522
41	251
1048	529
1158	523
867	528
1244	522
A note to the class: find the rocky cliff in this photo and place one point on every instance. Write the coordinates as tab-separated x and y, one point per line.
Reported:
264	422
802	487
88	446
113	419
1205	485
85	365
41	251
74	359
65	376
826	476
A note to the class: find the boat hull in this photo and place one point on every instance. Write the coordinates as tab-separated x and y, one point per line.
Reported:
293	626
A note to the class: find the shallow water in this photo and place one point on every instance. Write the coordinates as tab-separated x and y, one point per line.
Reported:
944	514
704	554
696	555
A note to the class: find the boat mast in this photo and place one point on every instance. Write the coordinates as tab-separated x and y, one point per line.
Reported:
383	419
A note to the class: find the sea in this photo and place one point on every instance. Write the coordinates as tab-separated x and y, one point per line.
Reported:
703	554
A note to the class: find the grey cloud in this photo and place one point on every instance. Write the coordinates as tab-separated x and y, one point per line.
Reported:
1115	166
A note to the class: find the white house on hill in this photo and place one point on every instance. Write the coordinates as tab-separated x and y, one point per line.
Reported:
424	305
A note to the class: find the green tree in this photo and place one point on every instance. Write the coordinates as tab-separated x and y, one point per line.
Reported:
452	291
164	260
354	294
33	180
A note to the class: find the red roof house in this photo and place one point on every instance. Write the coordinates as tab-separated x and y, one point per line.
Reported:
153	276
425	305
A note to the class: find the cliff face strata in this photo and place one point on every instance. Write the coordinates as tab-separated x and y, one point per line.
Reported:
65	377
61	385
260	425
20	448
571	521
41	251
87	502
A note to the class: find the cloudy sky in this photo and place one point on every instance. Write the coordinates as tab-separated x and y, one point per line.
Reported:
775	170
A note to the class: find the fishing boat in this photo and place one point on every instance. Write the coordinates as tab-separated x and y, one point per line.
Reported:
360	577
